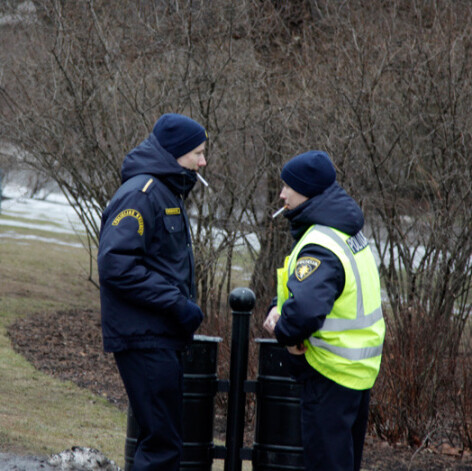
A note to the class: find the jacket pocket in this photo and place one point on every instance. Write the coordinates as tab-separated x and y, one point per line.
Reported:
173	223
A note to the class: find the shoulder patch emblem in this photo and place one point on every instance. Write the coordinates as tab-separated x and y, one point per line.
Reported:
132	213
305	267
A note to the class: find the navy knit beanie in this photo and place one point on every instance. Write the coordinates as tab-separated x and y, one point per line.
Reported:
310	173
178	134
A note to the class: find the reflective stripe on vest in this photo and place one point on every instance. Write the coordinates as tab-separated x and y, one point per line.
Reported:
365	330
360	322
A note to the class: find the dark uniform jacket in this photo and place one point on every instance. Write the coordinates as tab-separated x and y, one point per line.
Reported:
312	299
145	257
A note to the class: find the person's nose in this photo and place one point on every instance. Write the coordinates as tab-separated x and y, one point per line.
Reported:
202	161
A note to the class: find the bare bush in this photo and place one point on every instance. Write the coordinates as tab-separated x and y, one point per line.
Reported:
102	76
409	147
384	87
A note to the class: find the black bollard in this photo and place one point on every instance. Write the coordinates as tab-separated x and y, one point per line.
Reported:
242	301
200	386
277	439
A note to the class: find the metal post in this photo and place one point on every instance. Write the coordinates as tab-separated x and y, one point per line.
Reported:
241	300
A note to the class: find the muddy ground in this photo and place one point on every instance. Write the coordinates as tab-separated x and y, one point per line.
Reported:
13	462
68	345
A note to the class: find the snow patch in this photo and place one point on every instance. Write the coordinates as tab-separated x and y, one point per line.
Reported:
82	459
53	213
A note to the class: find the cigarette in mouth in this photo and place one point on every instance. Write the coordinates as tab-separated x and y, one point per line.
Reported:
202	179
279	211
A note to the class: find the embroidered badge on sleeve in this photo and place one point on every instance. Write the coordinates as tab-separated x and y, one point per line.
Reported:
305	267
130	213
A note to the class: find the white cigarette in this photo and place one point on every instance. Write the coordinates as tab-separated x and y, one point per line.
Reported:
279	211
202	179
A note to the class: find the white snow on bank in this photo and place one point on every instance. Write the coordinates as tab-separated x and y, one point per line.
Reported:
53	214
25	13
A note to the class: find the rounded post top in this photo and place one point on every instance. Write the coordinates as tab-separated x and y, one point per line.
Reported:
242	299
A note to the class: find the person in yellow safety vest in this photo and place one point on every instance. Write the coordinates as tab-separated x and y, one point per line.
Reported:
328	312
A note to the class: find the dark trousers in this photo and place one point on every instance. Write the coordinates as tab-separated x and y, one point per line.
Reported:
154	384
334	424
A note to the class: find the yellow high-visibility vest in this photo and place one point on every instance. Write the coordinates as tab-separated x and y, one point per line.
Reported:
348	347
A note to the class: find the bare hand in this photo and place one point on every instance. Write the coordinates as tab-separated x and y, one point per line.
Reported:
271	320
299	349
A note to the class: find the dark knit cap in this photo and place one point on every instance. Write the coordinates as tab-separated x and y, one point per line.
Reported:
309	173
178	134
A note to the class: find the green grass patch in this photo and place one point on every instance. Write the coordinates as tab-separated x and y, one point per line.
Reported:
22	234
36	222
39	414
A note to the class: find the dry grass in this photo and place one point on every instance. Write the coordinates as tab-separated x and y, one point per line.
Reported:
39	414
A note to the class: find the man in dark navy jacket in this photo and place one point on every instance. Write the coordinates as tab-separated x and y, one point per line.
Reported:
147	287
